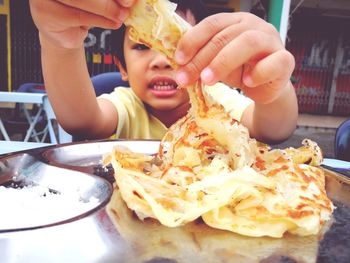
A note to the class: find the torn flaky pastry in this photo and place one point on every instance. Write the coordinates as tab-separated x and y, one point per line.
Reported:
196	242
208	166
155	24
270	198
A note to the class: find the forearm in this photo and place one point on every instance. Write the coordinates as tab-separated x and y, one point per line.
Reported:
69	88
275	121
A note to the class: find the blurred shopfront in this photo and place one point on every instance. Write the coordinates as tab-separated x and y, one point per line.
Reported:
4	45
320	44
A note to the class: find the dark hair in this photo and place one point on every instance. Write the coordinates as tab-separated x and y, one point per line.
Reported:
196	7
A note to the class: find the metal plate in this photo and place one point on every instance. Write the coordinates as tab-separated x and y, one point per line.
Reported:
87	157
196	242
90	154
96	239
23	176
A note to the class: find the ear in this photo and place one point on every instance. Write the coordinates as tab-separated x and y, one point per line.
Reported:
121	69
124	74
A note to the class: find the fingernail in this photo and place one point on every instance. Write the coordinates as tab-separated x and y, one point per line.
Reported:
179	57
207	76
181	78
248	81
127	3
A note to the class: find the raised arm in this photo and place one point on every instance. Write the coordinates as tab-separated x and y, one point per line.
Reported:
63	25
246	52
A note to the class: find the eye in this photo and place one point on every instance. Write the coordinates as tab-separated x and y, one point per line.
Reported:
140	47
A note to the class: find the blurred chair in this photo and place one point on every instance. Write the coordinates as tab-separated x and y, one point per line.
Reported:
43	113
58	135
17	123
103	83
32	88
32	118
44	116
342	141
34	136
106	82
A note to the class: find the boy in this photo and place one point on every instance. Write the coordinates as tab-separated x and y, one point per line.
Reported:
238	49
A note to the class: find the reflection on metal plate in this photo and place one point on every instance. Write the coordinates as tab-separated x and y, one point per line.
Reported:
87	157
86	154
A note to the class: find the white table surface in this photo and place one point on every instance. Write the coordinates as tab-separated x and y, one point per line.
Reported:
336	163
15	146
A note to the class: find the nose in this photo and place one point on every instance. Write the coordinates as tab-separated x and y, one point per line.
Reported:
159	61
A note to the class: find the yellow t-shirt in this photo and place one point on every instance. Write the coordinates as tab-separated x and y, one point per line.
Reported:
136	123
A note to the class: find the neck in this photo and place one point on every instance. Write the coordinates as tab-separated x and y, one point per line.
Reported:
169	117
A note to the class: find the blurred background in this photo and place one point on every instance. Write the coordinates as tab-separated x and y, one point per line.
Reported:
316	33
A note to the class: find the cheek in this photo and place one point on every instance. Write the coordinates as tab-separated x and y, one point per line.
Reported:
137	65
136	72
137	78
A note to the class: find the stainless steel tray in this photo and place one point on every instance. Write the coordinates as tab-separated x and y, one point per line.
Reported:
121	237
79	194
87	157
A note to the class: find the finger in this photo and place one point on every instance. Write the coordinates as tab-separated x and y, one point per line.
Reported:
201	34
191	71
126	3
69	16
234	78
263	94
249	46
206	45
264	71
268	92
109	9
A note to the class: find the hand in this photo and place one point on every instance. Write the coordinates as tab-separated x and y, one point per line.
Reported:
65	23
239	49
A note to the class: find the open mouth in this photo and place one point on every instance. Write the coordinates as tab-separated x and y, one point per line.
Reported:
163	87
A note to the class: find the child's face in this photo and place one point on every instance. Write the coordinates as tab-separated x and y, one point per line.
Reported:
151	77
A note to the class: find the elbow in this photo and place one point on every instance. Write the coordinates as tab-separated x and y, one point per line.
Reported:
277	136
82	131
78	133
277	140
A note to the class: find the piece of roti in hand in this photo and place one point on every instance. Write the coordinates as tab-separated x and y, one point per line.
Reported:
208	166
155	24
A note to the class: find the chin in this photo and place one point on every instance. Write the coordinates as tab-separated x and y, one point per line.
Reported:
166	106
